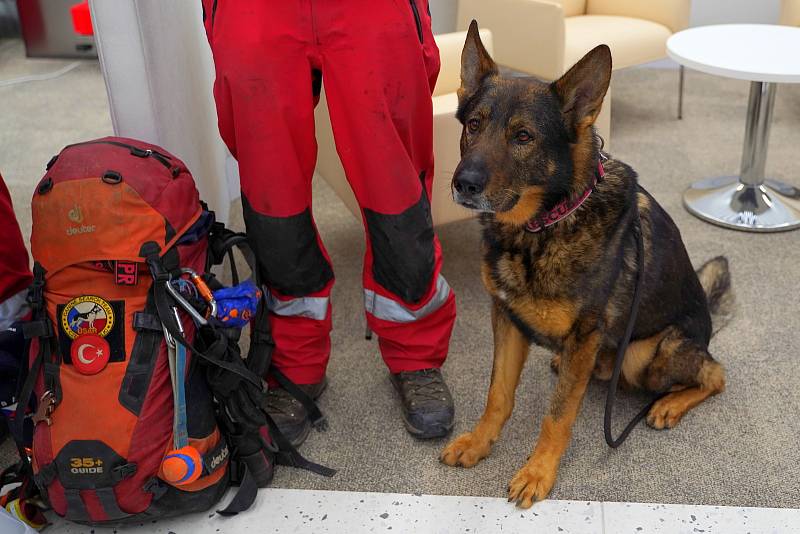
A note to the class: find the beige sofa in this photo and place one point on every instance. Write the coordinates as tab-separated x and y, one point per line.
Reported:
546	37
790	13
446	135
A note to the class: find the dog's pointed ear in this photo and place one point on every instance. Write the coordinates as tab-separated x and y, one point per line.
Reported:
476	64
582	89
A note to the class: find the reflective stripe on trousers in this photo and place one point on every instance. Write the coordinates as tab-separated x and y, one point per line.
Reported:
310	307
390	310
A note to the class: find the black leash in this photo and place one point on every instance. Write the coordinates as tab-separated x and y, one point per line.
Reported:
623	347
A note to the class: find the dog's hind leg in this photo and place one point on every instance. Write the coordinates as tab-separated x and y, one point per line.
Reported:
510	352
687	369
535	480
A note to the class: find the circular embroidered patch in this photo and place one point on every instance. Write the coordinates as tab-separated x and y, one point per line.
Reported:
87	315
90	354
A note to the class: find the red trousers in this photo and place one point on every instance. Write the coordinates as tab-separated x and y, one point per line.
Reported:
378	62
15	274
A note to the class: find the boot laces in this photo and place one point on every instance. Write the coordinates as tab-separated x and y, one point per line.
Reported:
425	385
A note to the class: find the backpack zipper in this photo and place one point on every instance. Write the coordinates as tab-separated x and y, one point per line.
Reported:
417	20
135	151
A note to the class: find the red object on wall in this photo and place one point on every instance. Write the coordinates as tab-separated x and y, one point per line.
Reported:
81	18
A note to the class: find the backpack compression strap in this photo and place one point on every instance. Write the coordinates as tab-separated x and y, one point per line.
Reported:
261	345
39	327
222	241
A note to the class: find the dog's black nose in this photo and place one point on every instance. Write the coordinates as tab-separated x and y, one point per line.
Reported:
470	182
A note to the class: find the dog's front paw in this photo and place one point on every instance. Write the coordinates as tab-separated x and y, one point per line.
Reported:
532	483
665	413
465	451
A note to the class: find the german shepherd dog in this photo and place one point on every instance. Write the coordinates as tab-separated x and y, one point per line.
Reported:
526	146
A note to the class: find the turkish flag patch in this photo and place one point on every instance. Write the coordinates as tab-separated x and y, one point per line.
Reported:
90	354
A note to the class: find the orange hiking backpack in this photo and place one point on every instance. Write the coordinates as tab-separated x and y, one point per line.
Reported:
115	223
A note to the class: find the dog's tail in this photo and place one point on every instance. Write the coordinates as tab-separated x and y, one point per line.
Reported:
715	277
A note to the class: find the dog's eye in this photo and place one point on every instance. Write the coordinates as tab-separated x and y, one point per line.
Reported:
523	136
473	125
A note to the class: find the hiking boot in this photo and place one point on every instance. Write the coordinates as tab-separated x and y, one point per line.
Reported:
427	405
289	414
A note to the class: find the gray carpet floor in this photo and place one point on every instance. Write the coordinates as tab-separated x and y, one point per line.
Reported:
740	448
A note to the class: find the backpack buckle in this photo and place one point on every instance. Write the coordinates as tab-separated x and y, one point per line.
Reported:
155	487
124	471
154	263
35	295
37	328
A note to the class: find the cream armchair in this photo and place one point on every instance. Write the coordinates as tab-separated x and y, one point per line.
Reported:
446	135
790	13
546	37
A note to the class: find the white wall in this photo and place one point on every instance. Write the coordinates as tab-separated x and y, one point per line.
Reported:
159	73
443	15
706	12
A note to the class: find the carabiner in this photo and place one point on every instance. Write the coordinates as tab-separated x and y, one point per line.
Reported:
203	289
188	308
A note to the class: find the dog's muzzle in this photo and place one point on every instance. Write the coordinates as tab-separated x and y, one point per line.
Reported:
468	189
477	203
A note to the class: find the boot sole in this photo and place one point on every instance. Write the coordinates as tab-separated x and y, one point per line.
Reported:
439	432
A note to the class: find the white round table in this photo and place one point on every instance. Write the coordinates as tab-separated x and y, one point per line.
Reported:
765	55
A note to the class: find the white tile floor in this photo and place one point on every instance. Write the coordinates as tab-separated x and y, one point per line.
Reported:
320	512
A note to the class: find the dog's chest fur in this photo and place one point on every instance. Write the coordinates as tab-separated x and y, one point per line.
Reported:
536	281
548	281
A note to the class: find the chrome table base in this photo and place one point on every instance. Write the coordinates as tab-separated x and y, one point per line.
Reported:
770	207
749	202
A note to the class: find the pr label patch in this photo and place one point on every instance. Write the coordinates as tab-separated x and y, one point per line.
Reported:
127	273
90	315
